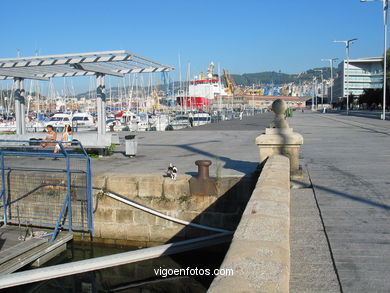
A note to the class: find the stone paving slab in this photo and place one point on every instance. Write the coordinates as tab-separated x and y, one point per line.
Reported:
230	145
311	263
348	159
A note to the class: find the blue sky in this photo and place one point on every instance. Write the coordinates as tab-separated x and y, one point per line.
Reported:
242	36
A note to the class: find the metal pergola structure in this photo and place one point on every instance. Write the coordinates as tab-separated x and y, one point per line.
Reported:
116	63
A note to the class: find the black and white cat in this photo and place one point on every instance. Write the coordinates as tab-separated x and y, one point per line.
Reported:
172	171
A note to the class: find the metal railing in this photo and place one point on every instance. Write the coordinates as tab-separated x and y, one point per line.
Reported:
55	194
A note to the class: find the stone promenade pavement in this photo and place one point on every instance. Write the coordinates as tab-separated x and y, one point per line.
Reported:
230	145
348	159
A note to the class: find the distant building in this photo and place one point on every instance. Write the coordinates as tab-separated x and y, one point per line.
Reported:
256	101
259	102
364	73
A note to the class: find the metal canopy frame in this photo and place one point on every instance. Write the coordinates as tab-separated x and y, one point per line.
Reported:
117	63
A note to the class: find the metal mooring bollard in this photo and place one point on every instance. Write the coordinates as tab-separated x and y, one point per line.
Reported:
203	169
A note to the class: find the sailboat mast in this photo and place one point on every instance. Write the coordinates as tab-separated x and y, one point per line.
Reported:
180	86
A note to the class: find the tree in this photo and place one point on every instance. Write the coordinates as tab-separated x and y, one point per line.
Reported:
374	96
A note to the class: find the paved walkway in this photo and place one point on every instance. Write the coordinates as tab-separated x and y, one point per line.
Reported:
312	268
348	159
230	145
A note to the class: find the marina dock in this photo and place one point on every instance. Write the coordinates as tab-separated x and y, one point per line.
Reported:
21	247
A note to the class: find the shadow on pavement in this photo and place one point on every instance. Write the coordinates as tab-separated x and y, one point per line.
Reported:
245	167
352	197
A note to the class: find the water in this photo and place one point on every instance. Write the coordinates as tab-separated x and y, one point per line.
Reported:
136	277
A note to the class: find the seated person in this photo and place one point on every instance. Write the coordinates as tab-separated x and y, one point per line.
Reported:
51	135
67	135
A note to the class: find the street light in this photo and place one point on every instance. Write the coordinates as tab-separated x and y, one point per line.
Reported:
322	87
385	6
347	43
314	93
253	98
331	60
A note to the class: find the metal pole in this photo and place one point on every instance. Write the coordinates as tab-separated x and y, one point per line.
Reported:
17	105
22	107
98	104
89	195
323	90
347	44
347	49
3	190
103	96
331	81
101	101
331	60
385	7
69	192
314	92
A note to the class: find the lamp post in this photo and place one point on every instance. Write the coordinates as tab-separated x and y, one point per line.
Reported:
314	92
253	98
331	60
322	87
347	44
385	7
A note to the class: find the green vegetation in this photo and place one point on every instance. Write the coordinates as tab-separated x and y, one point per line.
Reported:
247	79
94	153
184	198
101	195
7	132
111	149
374	97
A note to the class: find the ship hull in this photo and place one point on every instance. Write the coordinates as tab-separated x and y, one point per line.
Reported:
194	103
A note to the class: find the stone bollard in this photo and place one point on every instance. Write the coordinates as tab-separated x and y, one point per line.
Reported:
280	139
203	169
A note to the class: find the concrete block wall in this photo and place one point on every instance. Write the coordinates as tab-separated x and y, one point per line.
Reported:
118	223
260	251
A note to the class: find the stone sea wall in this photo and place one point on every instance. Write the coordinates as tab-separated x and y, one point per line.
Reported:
118	223
260	251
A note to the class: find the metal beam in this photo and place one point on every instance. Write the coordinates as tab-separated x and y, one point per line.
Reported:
97	69
98	57
103	262
117	63
20	75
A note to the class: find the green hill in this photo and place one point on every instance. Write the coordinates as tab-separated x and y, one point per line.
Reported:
247	79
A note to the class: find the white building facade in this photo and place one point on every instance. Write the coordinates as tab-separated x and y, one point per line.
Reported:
363	73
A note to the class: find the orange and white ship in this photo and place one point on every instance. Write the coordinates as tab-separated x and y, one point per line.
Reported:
202	91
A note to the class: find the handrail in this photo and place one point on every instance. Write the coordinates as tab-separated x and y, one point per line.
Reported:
62	153
60	142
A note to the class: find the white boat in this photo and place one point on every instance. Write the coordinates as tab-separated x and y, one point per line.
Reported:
180	122
113	124
135	122
36	126
199	119
7	126
83	122
59	120
159	122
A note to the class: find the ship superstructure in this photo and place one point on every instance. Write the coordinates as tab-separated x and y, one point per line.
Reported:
202	90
